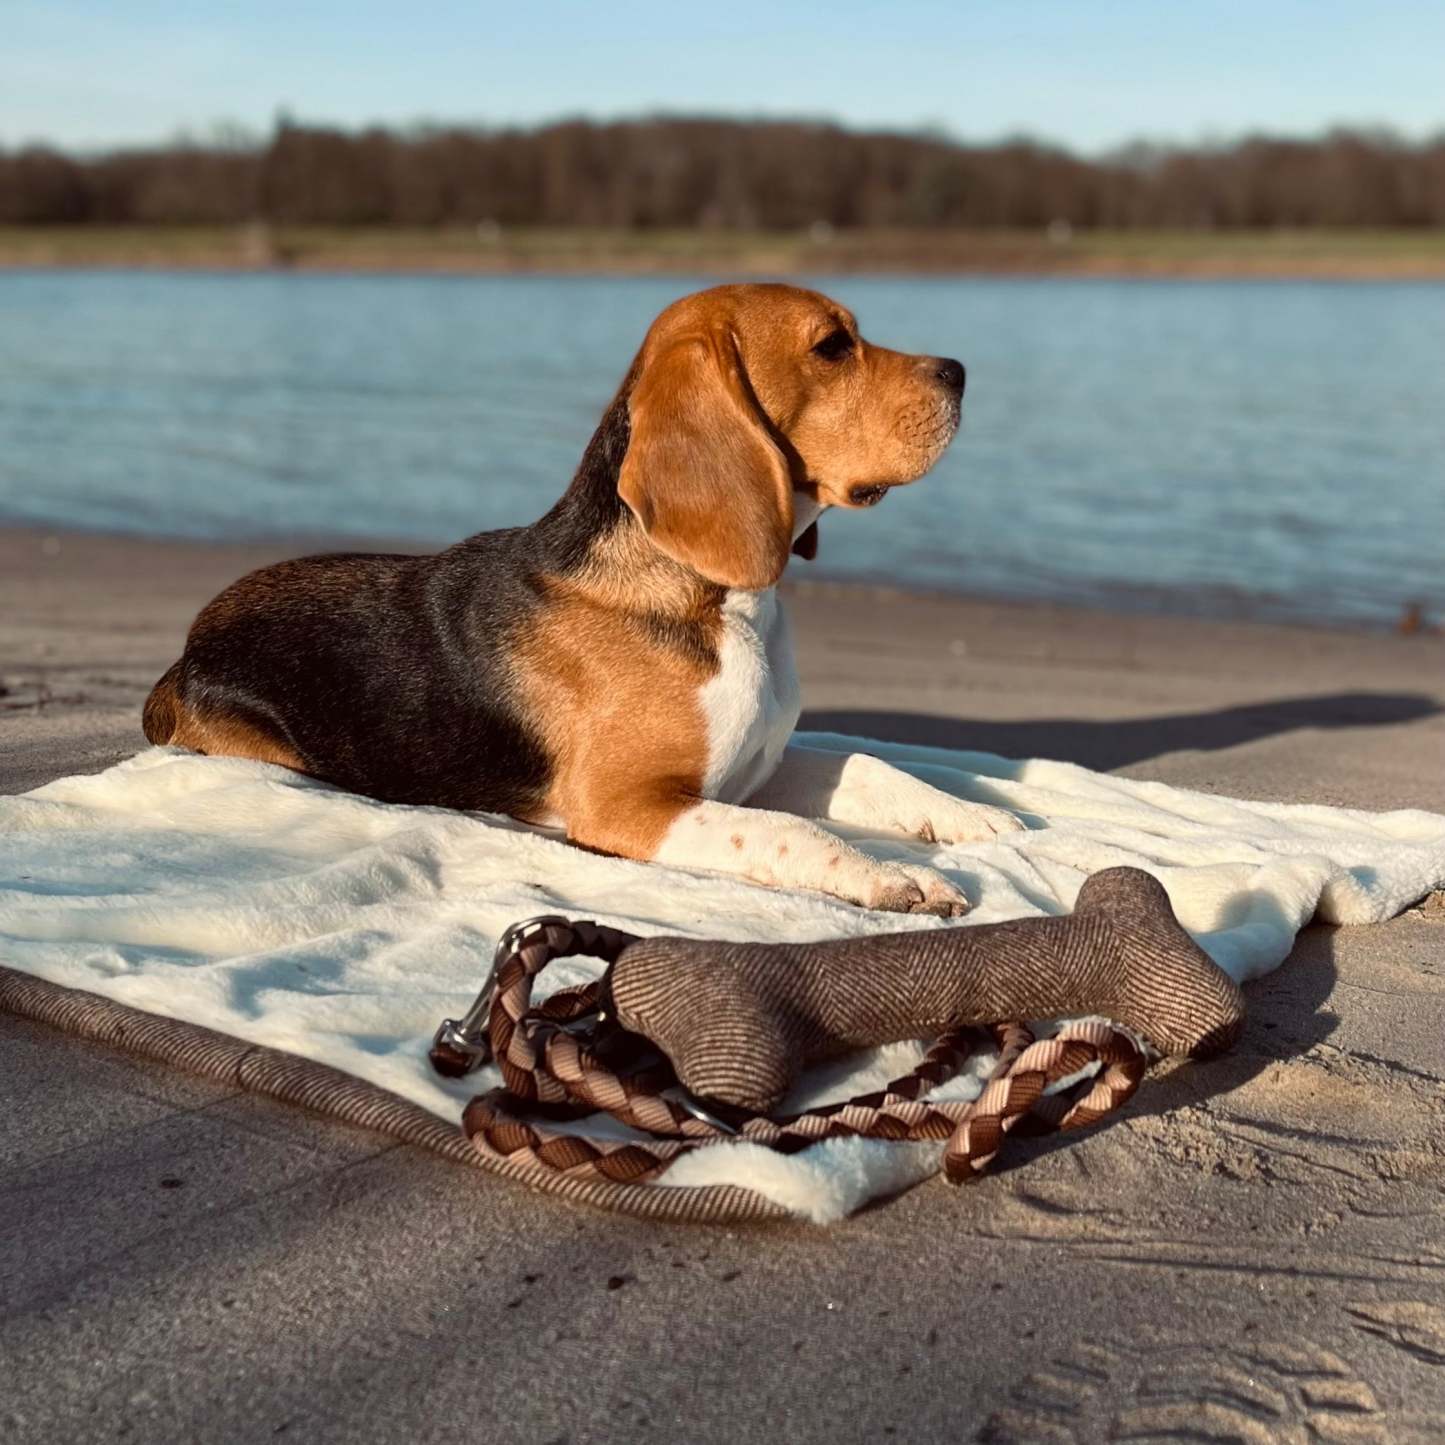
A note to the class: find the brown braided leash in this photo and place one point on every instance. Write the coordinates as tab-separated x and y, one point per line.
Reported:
562	1060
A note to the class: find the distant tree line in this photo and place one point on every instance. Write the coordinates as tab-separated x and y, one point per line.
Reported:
686	173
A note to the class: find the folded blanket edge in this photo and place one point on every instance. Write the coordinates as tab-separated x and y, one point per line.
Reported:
291	1079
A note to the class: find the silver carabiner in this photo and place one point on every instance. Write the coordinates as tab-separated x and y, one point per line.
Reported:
461	1046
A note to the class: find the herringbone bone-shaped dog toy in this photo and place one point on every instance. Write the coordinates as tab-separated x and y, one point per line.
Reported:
739	1021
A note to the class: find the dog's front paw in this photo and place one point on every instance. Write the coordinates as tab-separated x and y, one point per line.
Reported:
948	820
911	888
876	794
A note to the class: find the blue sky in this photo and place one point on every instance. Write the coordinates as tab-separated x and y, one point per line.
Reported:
1090	73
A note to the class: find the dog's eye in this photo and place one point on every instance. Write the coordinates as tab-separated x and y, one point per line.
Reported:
834	346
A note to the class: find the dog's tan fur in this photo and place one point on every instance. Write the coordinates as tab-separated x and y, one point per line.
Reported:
650	664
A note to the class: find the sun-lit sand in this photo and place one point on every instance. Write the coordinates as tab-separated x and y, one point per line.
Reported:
1273	1215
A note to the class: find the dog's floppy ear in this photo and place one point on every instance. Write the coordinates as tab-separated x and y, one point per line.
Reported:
701	473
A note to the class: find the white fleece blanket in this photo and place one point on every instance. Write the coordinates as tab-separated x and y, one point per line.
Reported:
273	908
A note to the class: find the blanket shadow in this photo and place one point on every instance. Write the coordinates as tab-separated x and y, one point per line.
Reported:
1287	1018
1114	743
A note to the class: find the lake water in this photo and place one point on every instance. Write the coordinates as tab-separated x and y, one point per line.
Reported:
1261	448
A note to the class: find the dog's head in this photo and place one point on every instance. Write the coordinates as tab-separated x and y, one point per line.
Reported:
753	407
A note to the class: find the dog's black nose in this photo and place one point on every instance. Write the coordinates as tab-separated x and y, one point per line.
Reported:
951	373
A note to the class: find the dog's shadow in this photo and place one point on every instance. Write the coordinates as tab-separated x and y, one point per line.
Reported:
1117	742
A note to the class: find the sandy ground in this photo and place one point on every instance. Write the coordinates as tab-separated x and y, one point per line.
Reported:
1251	1252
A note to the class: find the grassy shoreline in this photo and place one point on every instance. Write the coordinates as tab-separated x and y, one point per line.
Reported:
1311	254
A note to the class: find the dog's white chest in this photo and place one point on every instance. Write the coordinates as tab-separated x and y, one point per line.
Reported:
752	705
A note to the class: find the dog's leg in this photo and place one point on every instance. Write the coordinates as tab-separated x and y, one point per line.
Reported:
772	848
864	791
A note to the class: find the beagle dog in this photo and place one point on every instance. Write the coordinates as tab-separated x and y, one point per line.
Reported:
621	668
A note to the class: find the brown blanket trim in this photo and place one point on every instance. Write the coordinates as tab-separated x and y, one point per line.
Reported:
324	1090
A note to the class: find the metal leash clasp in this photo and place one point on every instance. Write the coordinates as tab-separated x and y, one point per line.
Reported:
705	1116
461	1046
